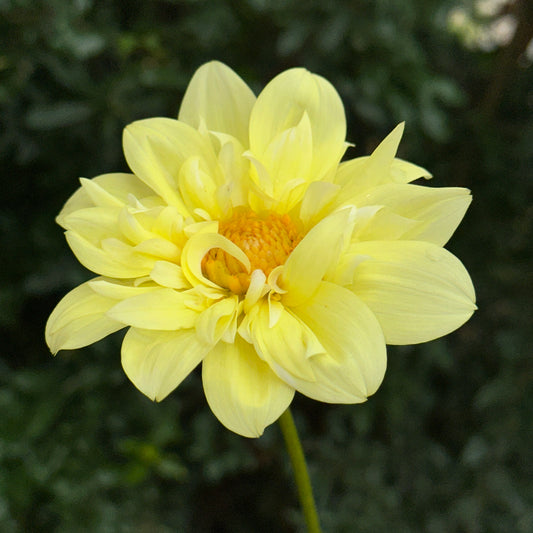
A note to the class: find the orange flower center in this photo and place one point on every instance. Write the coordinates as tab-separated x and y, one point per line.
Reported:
267	240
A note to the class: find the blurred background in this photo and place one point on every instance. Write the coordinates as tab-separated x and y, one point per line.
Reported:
446	443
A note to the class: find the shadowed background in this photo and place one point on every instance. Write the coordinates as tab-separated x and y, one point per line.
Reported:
444	445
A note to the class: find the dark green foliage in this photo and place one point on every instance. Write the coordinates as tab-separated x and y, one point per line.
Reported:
445	444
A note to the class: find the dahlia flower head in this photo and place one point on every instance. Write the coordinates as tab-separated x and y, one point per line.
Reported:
242	242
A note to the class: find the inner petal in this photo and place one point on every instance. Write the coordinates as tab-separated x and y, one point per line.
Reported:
267	239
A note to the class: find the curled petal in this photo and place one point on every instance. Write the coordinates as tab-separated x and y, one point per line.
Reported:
196	249
242	391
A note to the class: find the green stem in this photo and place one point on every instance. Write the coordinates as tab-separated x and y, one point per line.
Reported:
301	475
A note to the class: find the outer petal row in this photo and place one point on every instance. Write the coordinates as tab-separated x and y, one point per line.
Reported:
413	212
218	99
242	391
158	361
79	319
417	290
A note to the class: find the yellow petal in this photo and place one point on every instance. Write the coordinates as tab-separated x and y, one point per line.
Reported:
404	172
107	190
196	248
317	201
159	248
417	290
282	104
118	290
79	319
162	309
114	259
197	188
169	225
94	223
131	227
289	155
217	319
155	150
283	341
236	168
436	212
355	363
169	274
219	98
358	175
158	361
323	244
242	391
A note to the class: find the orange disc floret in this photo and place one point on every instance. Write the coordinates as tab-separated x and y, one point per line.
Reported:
267	240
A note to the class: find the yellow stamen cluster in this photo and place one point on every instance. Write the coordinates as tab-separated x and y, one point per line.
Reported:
267	240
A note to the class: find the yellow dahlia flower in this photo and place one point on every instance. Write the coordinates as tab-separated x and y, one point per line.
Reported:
240	241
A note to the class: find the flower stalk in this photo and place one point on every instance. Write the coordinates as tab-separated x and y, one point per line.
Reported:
301	474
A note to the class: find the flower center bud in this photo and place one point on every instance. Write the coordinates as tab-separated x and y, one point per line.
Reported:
266	239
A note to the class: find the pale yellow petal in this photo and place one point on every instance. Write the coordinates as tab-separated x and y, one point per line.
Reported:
79	319
158	361
283	341
355	363
378	222
196	249
197	188
242	391
363	173
161	309
117	289
107	190
282	104
217	319
435	212
417	290
114	258
217	96
405	172
155	150
169	274
236	169
169	224
289	155
94	223
316	202
159	248
131	227
312	258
